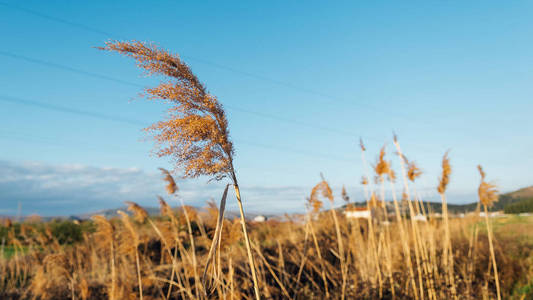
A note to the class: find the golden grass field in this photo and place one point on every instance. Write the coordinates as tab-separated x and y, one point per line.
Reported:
292	257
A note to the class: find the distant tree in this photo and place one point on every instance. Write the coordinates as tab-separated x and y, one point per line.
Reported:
524	206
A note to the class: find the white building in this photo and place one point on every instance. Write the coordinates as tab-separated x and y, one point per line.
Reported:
358	213
260	218
492	214
420	218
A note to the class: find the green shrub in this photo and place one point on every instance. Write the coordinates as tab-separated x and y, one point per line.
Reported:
66	232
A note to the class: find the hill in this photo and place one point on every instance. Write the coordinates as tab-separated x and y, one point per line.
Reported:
519	198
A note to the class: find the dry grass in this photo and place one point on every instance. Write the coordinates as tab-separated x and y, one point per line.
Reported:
87	268
289	264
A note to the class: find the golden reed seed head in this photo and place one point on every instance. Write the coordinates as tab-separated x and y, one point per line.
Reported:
323	189
445	176
104	227
382	167
481	172
315	204
165	209
129	226
362	145
344	194
364	180
139	213
196	134
171	186
413	172
488	193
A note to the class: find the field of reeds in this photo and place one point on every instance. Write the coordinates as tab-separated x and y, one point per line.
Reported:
399	250
318	255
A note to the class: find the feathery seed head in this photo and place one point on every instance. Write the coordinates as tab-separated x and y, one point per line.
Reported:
481	172
413	172
139	213
322	189
196	134
382	167
488	193
363	148
344	194
314	204
104	227
445	176
364	180
171	186
165	209
129	226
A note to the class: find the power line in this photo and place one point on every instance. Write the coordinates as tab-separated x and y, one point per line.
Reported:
231	107
67	68
213	64
296	151
14	100
59	20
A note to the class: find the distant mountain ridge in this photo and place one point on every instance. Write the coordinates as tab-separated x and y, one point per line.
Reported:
504	200
515	197
154	211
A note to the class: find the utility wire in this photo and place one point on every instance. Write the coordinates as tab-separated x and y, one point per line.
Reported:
58	20
16	100
203	61
66	68
231	107
213	64
42	105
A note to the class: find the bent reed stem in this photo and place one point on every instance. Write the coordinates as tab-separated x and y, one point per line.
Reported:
246	238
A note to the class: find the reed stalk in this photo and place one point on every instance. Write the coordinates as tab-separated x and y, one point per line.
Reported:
246	239
414	226
487	196
134	244
365	182
405	242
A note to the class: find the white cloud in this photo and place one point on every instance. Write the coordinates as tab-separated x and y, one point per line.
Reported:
73	189
52	190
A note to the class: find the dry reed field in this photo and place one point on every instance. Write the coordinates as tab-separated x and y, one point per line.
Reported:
186	253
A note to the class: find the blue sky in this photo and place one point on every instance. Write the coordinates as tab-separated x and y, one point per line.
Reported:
301	84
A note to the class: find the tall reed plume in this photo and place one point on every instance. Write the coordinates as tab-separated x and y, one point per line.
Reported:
444	180
196	134
323	189
488	194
